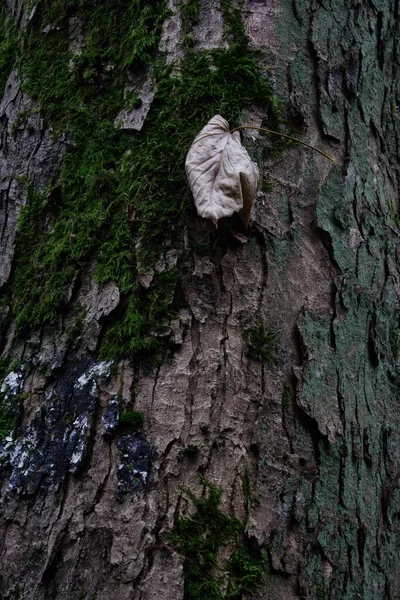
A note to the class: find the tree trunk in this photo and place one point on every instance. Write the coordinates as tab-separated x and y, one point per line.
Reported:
191	412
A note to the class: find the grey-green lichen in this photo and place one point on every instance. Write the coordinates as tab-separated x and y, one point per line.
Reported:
346	413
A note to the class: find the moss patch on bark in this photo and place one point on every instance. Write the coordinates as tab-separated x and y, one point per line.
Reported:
120	198
201	538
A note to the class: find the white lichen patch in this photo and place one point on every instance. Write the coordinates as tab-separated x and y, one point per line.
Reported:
111	417
12	384
19	455
78	434
101	369
143	475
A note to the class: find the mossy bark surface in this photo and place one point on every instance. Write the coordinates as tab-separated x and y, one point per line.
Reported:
188	411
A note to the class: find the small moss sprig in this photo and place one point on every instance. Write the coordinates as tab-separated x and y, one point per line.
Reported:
191	451
131	421
262	344
201	537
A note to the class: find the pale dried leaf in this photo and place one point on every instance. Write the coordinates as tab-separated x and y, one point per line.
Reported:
221	174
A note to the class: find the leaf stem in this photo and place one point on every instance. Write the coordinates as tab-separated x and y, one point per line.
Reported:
284	135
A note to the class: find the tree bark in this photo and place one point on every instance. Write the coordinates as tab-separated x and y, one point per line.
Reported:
281	388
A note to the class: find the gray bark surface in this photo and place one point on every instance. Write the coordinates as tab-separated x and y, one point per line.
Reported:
87	512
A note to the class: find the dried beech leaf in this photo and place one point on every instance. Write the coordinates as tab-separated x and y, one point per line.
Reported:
221	174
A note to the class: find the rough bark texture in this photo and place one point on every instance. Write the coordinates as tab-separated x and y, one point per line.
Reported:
305	447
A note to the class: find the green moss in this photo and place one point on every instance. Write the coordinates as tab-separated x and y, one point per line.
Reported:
247	569
394	213
73	334
394	340
20	121
189	13
234	26
43	257
7	420
191	451
131	420
200	539
10	410
268	185
286	396
144	317
117	36
312	516
262	344
8	46
108	174
62	229
321	591
5	367
246	489
251	499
